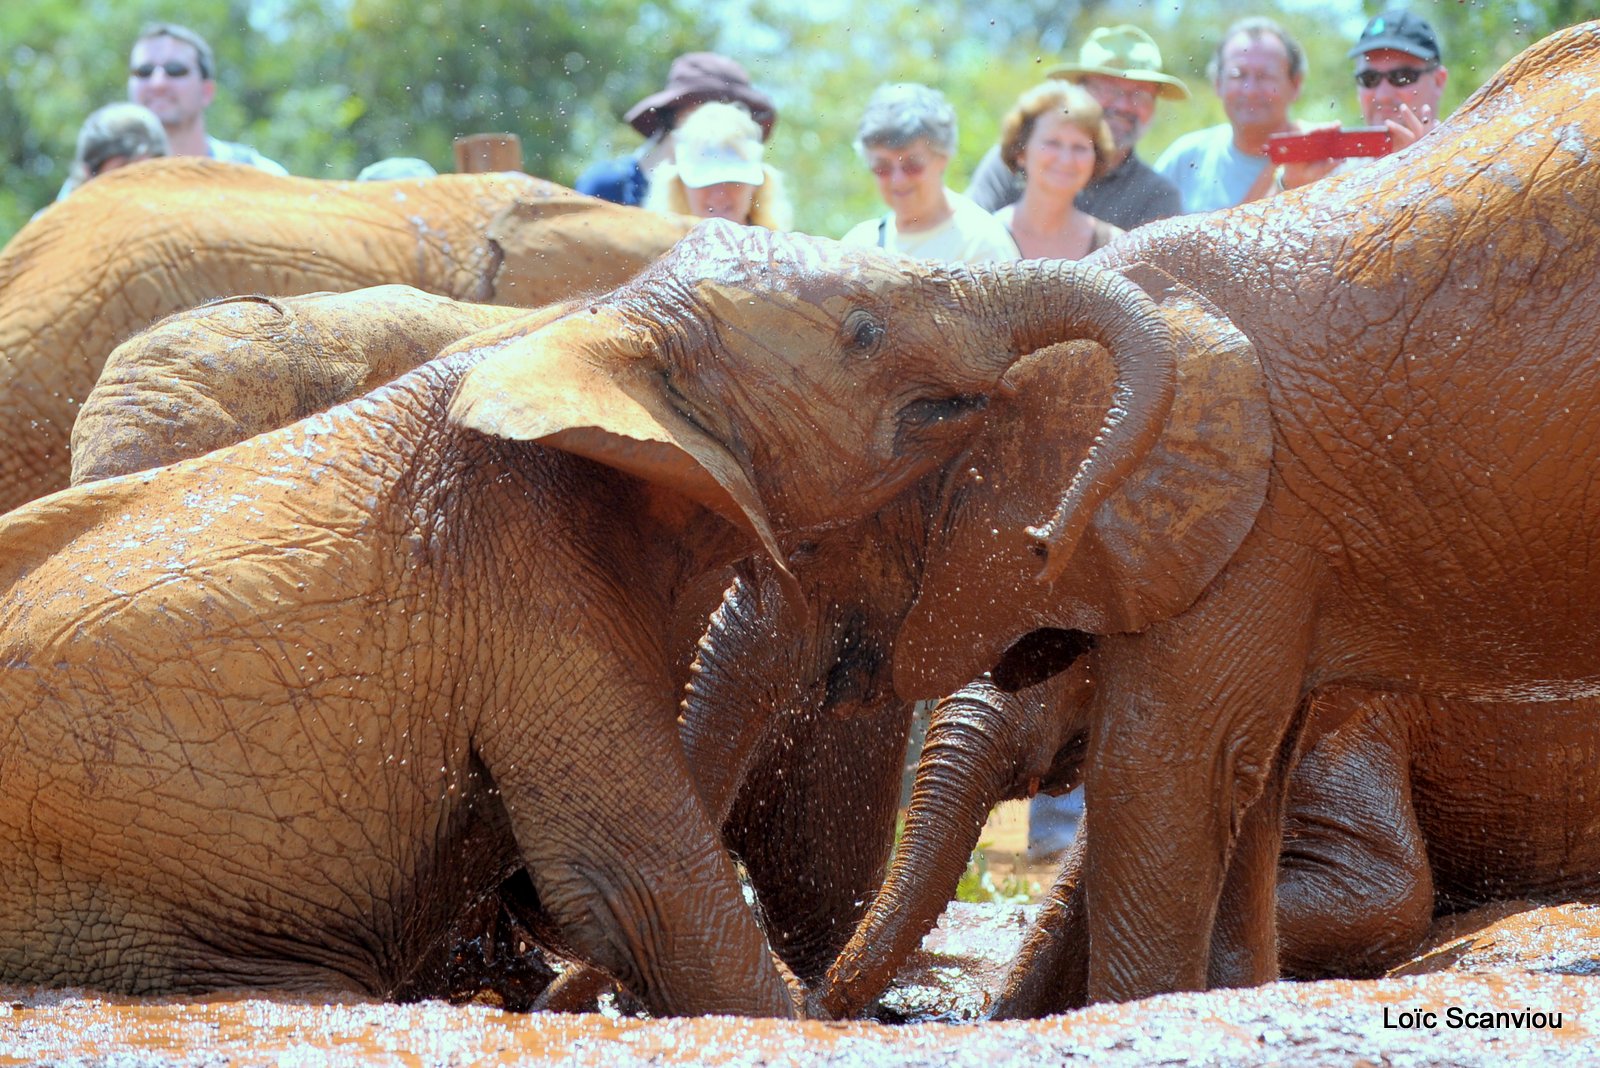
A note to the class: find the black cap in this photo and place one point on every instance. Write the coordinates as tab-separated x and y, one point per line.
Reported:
1401	31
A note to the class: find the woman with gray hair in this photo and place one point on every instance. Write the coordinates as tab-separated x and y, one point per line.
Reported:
115	136
906	138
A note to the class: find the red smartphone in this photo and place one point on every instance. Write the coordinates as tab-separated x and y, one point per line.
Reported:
1329	143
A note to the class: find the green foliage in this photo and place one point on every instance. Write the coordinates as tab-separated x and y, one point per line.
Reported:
978	884
327	86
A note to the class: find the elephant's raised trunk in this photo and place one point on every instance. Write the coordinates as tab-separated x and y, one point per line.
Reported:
978	741
1053	302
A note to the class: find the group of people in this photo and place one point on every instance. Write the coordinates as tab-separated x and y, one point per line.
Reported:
1065	178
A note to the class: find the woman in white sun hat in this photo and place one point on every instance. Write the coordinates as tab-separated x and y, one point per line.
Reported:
718	172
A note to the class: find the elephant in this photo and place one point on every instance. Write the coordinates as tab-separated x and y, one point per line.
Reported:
1424	524
1401	808
236	367
171	233
372	663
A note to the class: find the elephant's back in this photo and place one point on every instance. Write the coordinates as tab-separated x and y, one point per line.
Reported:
226	371
168	234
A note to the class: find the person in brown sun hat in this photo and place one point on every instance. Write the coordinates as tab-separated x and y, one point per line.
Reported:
694	78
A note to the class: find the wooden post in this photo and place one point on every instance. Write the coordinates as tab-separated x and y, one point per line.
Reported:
488	152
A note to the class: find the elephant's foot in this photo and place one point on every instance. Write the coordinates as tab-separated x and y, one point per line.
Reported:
579	989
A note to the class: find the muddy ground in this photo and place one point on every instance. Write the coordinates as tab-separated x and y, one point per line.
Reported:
1508	958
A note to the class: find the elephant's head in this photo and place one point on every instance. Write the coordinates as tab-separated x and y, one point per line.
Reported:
1150	547
795	384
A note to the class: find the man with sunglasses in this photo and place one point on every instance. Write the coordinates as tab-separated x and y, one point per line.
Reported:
1400	80
172	72
1399	75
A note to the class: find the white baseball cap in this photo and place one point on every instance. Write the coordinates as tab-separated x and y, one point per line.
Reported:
700	165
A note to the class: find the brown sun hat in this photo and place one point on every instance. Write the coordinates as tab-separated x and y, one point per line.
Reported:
695	78
1123	52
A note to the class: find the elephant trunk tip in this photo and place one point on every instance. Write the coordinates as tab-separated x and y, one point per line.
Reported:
1056	538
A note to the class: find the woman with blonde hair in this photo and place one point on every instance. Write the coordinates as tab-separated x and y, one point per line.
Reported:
717	171
1057	138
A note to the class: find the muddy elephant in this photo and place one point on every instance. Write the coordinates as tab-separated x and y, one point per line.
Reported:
1400	809
233	368
1425	523
776	728
172	233
332	685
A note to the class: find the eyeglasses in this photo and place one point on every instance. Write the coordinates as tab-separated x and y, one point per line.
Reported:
908	167
1400	77
173	68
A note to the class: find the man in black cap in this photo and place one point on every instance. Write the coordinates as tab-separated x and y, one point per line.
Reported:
695	78
1399	75
1400	80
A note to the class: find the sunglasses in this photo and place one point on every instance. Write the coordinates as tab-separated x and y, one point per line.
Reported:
908	167
173	68
1400	77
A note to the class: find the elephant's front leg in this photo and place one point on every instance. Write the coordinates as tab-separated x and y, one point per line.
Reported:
624	857
1244	942
1191	718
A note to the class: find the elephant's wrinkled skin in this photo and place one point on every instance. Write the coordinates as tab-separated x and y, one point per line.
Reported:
1425	329
168	234
237	367
1403	808
329	686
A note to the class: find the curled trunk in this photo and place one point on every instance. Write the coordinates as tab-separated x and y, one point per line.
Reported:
982	746
1053	302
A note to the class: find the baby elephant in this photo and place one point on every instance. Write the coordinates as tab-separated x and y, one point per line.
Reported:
1400	809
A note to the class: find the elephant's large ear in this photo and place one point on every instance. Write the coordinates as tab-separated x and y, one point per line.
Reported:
589	383
1152	546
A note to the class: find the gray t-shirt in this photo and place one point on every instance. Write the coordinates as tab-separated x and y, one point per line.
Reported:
1129	196
1209	169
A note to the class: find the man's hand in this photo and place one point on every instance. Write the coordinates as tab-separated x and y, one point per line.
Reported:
1409	126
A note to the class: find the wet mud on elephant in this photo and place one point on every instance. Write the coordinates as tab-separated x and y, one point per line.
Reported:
415	551
168	234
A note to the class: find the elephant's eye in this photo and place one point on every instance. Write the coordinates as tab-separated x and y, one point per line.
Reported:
863	332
